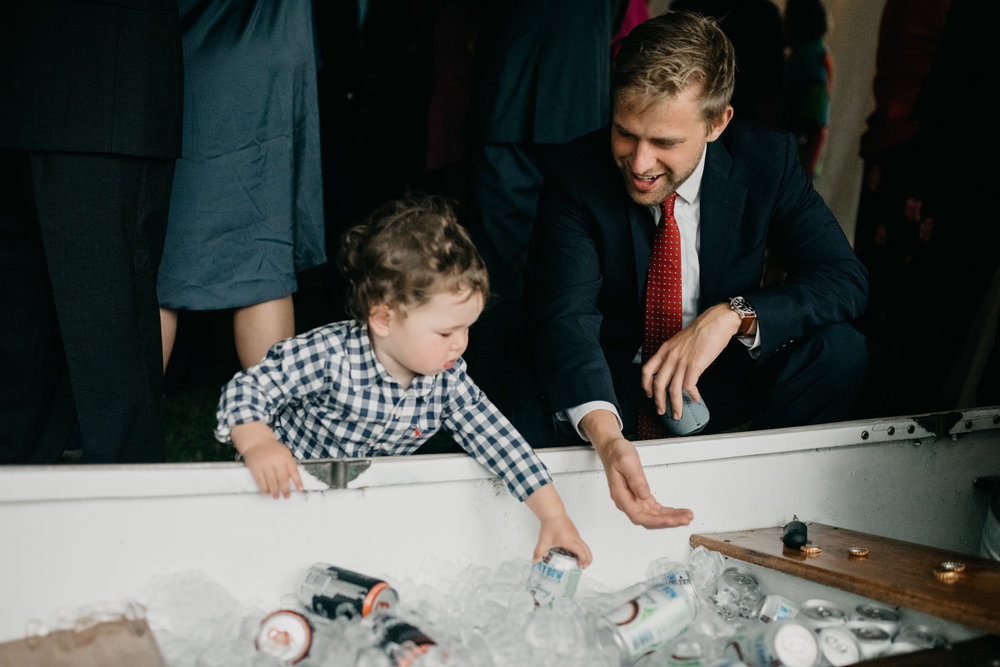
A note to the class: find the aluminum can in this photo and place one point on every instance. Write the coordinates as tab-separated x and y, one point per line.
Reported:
739	594
285	634
334	592
402	642
818	614
885	617
777	608
736	582
787	643
656	615
838	646
872	638
918	638
676	577
554	578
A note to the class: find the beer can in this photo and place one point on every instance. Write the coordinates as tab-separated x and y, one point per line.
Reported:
885	617
402	642
913	637
334	592
554	578
838	646
737	593
656	615
735	582
679	577
777	608
817	614
285	634
872	638
787	643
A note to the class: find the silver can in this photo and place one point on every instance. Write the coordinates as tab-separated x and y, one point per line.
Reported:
334	592
885	617
735	582
838	646
286	635
872	638
787	643
913	637
656	615
554	579
777	608
738	594
676	577
818	614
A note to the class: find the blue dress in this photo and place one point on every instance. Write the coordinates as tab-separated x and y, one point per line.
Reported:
246	211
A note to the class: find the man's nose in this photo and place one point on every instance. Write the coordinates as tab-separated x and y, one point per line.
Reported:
644	159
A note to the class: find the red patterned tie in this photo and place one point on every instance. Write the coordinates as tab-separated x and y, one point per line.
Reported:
662	316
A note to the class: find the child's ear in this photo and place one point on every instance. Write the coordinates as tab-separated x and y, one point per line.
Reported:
378	319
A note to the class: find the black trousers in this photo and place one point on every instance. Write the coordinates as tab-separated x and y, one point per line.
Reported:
81	237
811	381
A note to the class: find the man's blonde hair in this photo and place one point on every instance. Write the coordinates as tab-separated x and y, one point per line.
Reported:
669	53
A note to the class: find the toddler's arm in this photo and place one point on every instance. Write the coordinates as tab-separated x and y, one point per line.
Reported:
557	530
269	461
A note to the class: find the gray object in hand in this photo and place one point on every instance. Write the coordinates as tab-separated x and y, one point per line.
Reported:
694	417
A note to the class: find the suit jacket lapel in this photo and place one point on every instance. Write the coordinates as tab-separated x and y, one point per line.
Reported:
643	229
722	203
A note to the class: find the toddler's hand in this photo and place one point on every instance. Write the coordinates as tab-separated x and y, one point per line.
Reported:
559	531
272	465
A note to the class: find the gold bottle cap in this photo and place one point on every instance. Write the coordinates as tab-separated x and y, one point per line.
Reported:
952	566
810	550
947	576
857	552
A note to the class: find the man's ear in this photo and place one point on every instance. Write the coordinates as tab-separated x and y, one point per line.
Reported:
716	128
379	318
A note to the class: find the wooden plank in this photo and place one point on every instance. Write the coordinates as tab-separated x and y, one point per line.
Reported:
893	572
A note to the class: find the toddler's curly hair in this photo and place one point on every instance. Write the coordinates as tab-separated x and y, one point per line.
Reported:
405	253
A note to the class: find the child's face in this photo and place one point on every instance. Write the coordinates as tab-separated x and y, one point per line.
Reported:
426	339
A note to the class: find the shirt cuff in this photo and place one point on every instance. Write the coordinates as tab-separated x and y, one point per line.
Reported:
576	414
752	344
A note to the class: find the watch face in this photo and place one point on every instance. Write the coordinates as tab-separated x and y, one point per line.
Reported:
741	305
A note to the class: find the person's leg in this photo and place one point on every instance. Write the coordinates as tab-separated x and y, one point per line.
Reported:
815	380
256	328
32	367
103	220
168	333
812	381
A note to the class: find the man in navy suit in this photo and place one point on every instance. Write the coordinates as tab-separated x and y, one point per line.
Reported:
776	355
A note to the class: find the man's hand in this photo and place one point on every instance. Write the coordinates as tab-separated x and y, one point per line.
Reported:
626	479
270	462
682	359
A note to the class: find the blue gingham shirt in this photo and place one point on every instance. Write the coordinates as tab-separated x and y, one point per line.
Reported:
325	395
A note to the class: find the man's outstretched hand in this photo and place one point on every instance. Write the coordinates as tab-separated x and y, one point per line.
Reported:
626	479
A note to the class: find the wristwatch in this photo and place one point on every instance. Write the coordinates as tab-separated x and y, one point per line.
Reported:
748	316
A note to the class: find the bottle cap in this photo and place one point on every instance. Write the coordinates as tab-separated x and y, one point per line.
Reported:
949	571
811	549
857	552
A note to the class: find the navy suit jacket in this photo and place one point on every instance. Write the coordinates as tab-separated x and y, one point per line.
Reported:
592	244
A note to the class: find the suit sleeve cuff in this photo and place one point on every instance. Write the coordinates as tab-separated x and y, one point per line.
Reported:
576	414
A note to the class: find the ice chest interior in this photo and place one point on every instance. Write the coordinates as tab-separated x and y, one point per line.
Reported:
75	536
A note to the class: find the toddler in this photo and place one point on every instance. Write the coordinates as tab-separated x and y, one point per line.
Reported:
385	382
